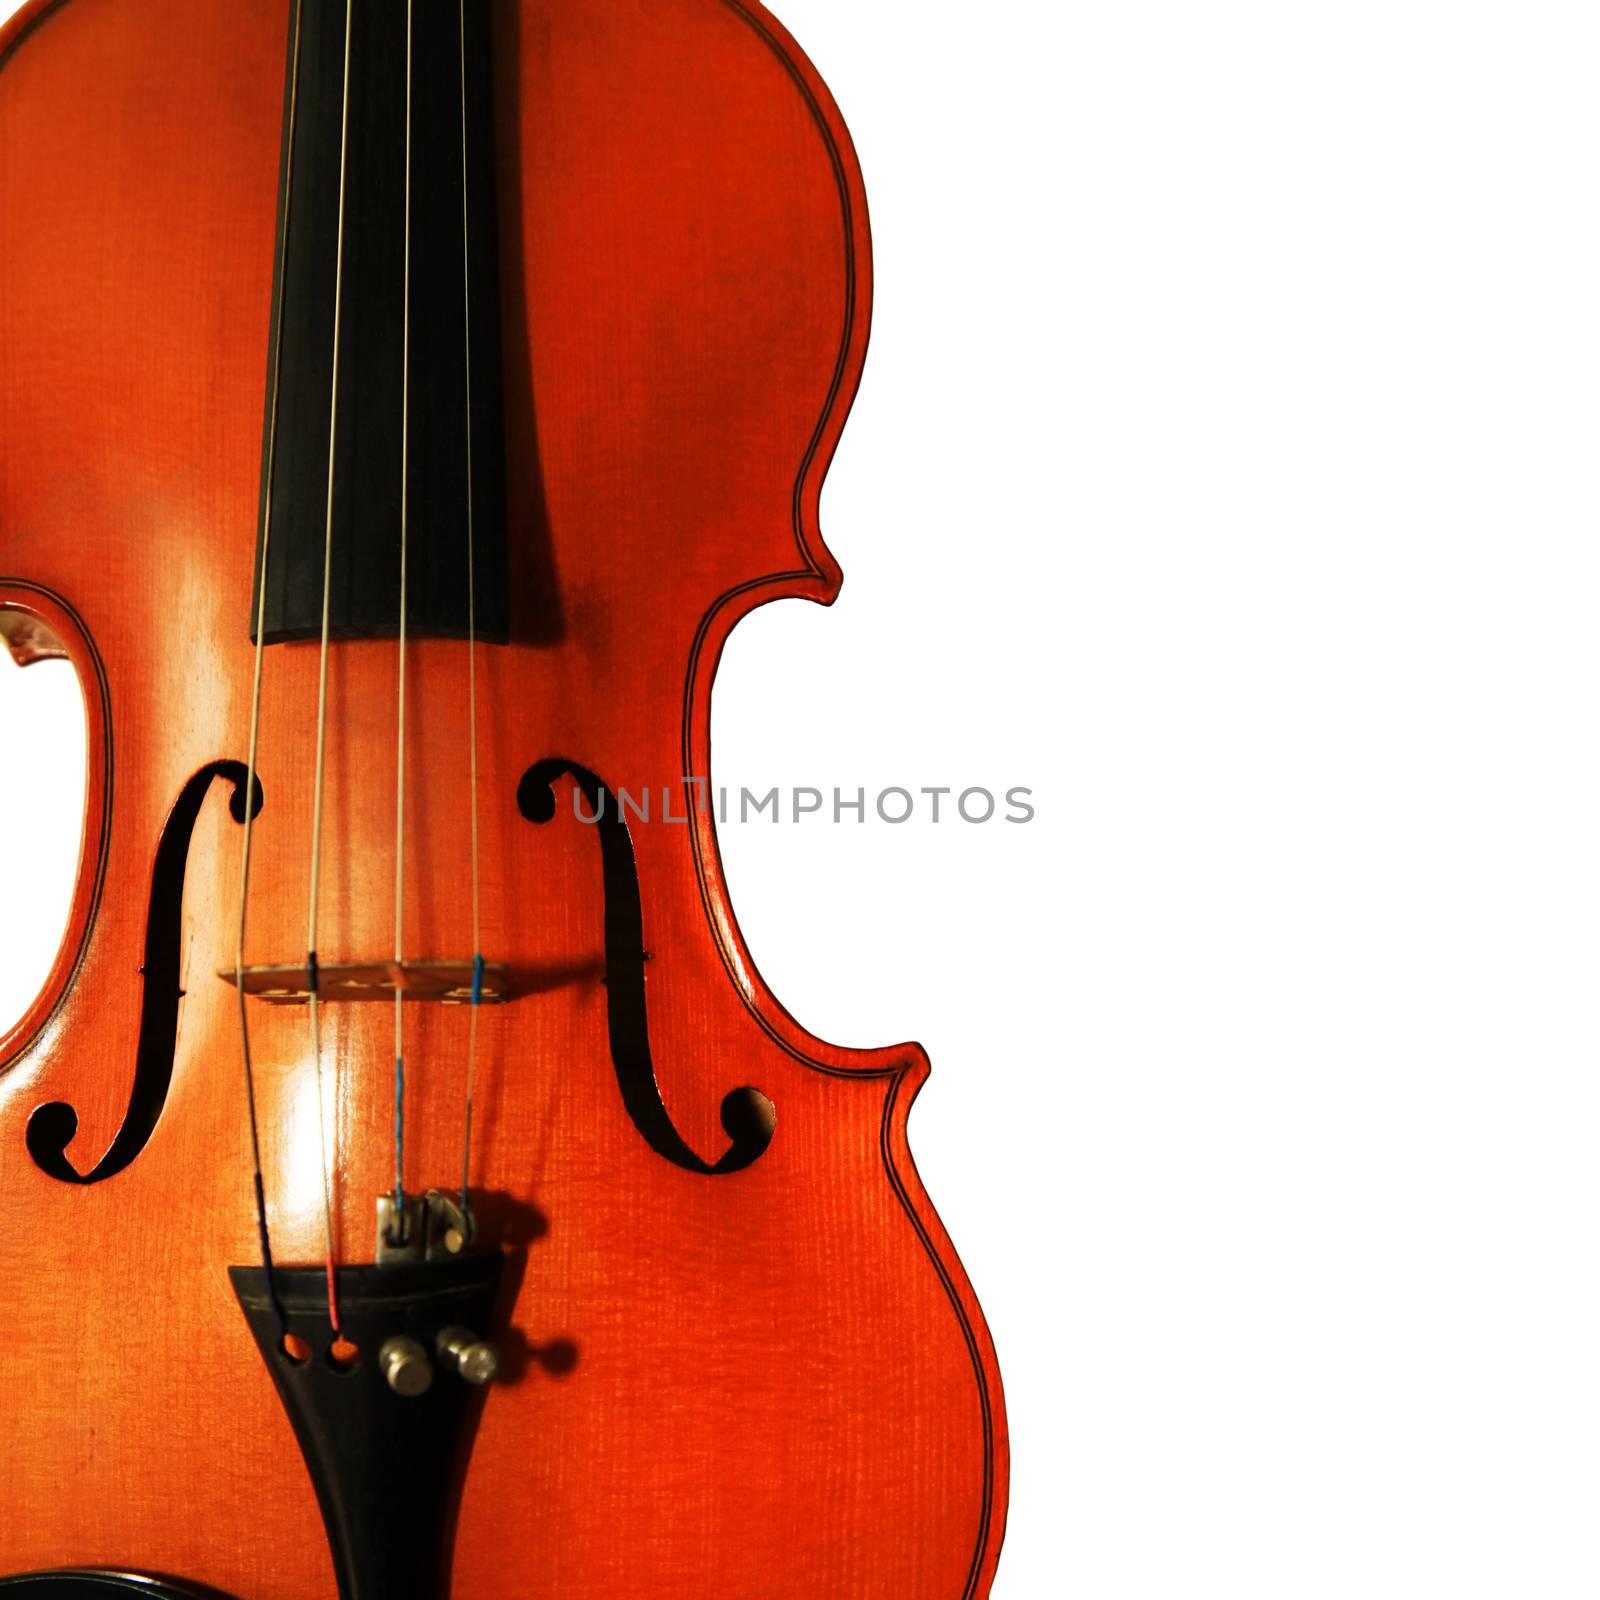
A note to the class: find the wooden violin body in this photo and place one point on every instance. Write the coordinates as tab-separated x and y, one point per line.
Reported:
766	1382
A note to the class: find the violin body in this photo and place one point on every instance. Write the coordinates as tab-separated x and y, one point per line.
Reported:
765	1379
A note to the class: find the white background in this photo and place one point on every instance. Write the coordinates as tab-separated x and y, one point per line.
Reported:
1225	471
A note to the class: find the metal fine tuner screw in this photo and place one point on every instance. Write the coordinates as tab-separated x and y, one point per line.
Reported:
472	1357
406	1367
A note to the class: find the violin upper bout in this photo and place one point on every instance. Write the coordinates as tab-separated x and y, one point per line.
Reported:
686	291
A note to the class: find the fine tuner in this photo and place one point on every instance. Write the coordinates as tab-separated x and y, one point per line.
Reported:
409	1372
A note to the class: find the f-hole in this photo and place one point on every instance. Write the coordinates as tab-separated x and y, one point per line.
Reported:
52	1126
748	1117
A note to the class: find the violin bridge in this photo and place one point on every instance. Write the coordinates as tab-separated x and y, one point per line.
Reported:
446	982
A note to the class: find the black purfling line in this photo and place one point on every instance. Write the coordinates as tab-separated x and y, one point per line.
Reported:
847	210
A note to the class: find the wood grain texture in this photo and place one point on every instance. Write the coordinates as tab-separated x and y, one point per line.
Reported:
783	1384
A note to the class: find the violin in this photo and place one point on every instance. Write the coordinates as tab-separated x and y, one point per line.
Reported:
409	1188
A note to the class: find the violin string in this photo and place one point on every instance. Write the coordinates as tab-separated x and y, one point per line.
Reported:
263	1232
472	642
313	980
400	733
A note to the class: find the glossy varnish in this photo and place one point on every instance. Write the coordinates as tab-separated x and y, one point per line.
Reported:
770	1383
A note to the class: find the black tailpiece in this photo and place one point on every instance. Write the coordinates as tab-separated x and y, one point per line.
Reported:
388	1466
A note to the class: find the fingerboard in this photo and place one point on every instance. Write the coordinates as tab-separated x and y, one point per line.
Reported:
417	431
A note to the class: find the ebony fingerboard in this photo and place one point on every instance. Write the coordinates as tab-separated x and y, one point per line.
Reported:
364	597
